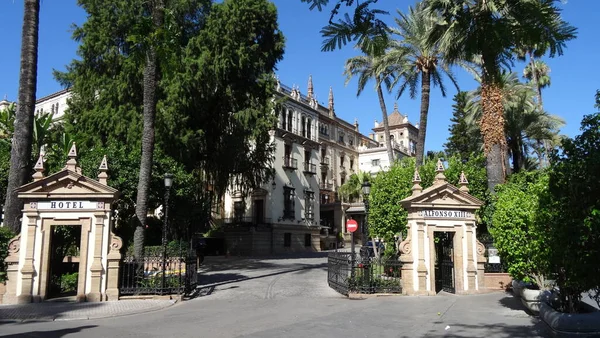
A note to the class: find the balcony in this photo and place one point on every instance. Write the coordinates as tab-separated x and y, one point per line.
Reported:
326	186
324	161
290	163
246	221
310	168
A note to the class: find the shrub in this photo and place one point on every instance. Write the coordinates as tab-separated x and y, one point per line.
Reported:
68	282
518	235
5	236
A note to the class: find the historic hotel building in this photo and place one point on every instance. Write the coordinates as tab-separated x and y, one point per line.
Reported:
315	154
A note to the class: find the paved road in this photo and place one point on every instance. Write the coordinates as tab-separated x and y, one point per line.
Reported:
289	298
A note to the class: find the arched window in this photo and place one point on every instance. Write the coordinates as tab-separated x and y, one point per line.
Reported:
283	113
303	126
289	121
308	133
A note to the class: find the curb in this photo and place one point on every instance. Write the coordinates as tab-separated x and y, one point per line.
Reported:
91	317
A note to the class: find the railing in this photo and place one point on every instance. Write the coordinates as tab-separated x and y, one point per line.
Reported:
326	186
347	273
154	275
310	168
325	161
290	163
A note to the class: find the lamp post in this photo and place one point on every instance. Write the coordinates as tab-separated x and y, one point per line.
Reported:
366	190
168	184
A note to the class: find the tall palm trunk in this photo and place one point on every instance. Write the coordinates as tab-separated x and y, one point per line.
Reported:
492	130
386	124
20	154
425	90
543	157
149	115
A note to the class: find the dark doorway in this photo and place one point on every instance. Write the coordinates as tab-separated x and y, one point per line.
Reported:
444	262
63	274
259	211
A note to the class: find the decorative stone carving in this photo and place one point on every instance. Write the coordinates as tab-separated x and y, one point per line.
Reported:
115	242
406	247
480	249
100	205
33	205
14	245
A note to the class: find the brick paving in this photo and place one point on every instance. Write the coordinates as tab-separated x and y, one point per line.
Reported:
57	311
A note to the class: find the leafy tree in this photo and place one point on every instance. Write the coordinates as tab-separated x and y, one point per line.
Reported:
491	30
574	214
386	215
415	61
464	140
20	159
518	235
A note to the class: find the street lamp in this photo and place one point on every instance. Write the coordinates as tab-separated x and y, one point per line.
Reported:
366	190
168	184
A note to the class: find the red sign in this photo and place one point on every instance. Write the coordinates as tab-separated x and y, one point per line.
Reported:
351	225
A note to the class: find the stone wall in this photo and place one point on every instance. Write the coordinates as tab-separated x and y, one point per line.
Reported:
496	281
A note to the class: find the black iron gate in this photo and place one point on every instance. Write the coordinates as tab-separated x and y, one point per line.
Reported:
339	270
444	267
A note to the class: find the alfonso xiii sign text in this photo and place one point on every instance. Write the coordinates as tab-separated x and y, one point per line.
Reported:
445	214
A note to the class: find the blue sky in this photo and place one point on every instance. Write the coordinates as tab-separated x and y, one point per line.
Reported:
571	95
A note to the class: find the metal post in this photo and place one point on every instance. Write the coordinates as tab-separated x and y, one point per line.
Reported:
164	240
365	238
352	258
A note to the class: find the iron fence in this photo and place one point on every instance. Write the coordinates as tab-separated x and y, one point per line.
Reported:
348	273
147	276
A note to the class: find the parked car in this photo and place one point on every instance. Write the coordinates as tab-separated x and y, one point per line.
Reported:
367	250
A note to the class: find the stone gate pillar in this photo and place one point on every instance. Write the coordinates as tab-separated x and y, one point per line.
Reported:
441	208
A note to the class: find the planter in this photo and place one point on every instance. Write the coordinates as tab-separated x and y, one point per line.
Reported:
570	324
517	286
531	299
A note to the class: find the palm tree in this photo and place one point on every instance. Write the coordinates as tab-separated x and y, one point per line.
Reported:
367	67
525	123
492	30
352	189
415	61
20	155
149	115
538	73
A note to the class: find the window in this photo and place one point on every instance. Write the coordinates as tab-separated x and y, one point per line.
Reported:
309	128
307	240
341	137
283	114
289	120
303	126
309	201
351	163
307	156
351	141
287	239
342	161
375	163
342	180
288	202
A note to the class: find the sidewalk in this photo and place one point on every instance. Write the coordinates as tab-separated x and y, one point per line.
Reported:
60	311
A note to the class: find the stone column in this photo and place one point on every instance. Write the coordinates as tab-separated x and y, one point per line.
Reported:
421	267
407	260
12	271
28	270
112	273
480	265
471	269
96	270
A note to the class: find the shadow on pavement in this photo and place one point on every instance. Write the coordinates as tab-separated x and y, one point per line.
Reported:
511	302
536	329
51	334
43	311
207	283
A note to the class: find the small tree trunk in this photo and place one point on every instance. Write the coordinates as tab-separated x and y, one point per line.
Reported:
149	115
386	125
425	90
20	154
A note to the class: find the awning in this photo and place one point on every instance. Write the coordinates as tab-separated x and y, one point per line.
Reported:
356	210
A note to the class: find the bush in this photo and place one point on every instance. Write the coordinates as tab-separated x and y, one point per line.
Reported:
518	235
5	236
68	282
